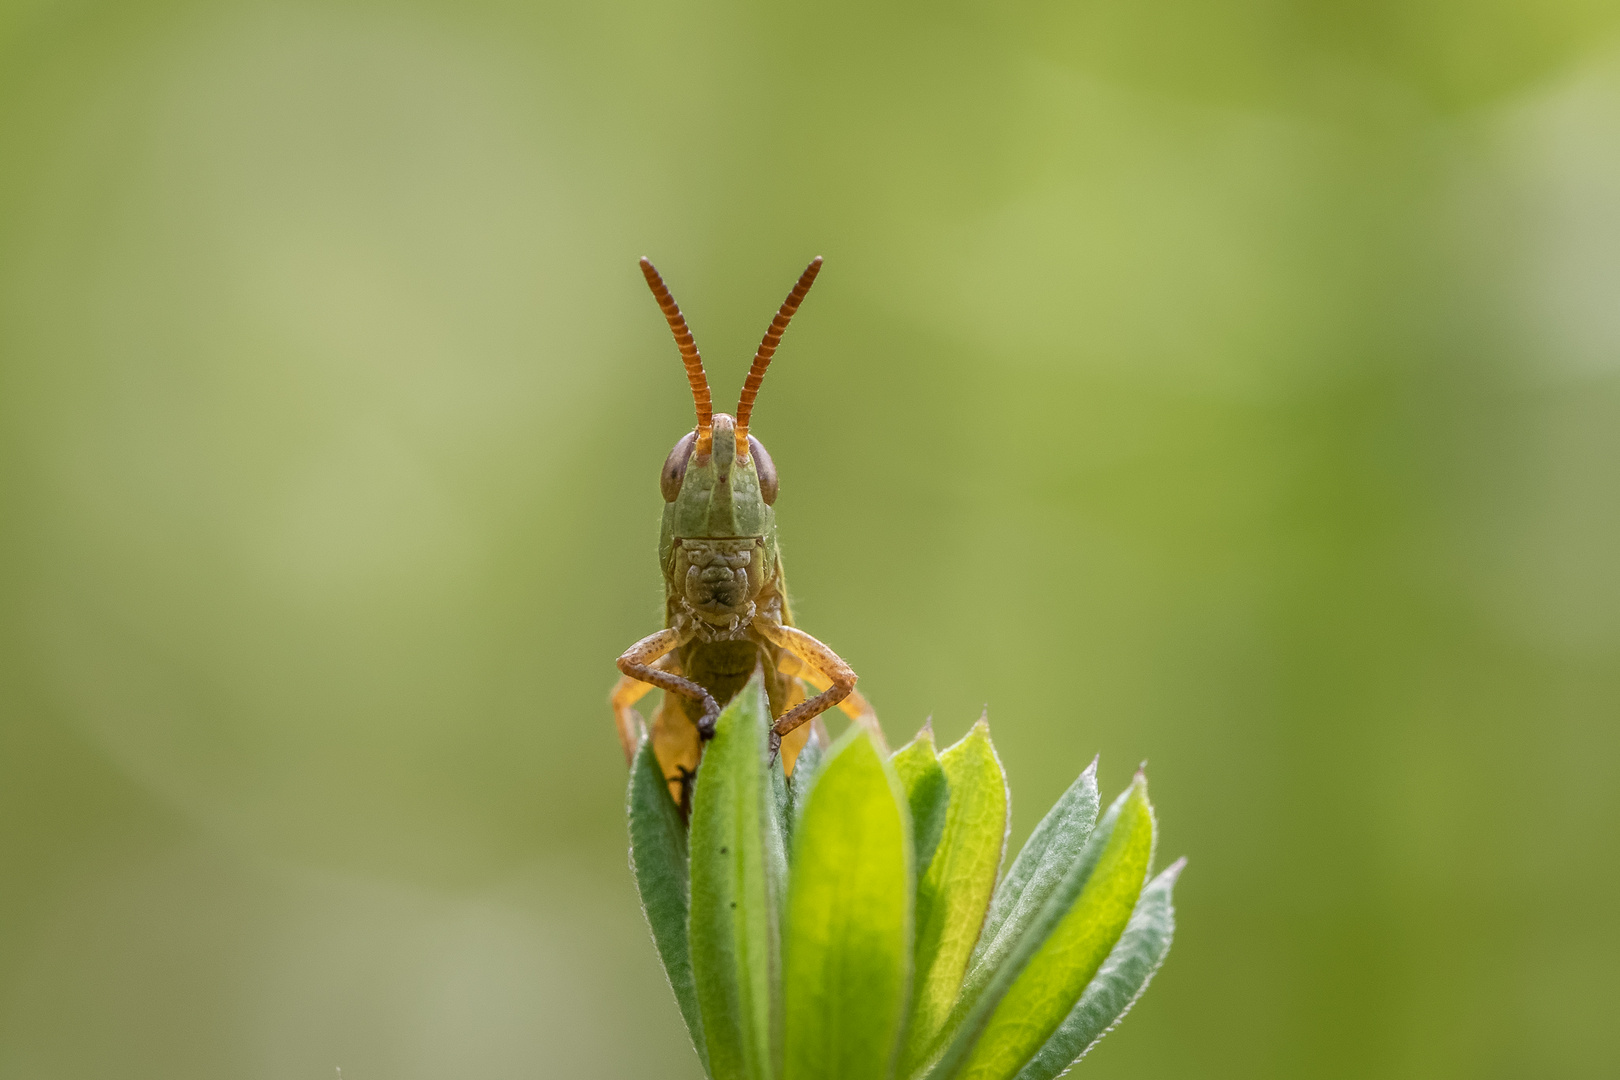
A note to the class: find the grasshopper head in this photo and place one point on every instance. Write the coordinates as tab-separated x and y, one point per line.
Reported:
718	546
718	482
719	494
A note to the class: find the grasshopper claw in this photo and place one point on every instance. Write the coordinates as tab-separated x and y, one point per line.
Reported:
711	715
775	744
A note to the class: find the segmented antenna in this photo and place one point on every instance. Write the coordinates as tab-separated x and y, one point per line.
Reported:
689	356
767	349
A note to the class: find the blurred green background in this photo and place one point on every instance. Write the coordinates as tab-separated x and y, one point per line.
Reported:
1230	383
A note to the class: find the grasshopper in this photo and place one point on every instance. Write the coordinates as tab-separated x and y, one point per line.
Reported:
725	599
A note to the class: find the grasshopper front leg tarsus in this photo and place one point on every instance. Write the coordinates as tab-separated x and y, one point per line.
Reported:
638	663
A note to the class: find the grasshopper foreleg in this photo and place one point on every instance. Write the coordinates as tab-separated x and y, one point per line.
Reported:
855	706
638	660
626	692
815	655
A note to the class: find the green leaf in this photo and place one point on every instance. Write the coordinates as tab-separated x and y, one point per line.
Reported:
846	946
658	861
927	793
1121	980
803	778
781	802
1026	998
778	836
733	919
1049	853
954	892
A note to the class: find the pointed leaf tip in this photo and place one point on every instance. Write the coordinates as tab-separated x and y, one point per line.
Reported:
927	793
955	889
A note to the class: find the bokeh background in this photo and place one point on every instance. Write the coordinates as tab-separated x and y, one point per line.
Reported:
1229	383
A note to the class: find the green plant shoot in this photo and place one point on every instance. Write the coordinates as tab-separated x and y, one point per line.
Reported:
880	947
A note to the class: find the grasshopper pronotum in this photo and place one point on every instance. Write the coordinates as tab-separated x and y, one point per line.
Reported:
725	601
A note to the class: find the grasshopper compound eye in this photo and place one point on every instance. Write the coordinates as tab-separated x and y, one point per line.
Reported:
762	464
675	469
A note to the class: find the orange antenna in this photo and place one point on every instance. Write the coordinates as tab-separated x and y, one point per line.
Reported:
767	349
689	356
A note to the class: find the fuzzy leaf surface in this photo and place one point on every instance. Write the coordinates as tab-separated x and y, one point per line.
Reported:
847	939
733	925
1045	990
781	801
805	769
1121	980
954	892
658	859
1051	850
993	971
778	835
